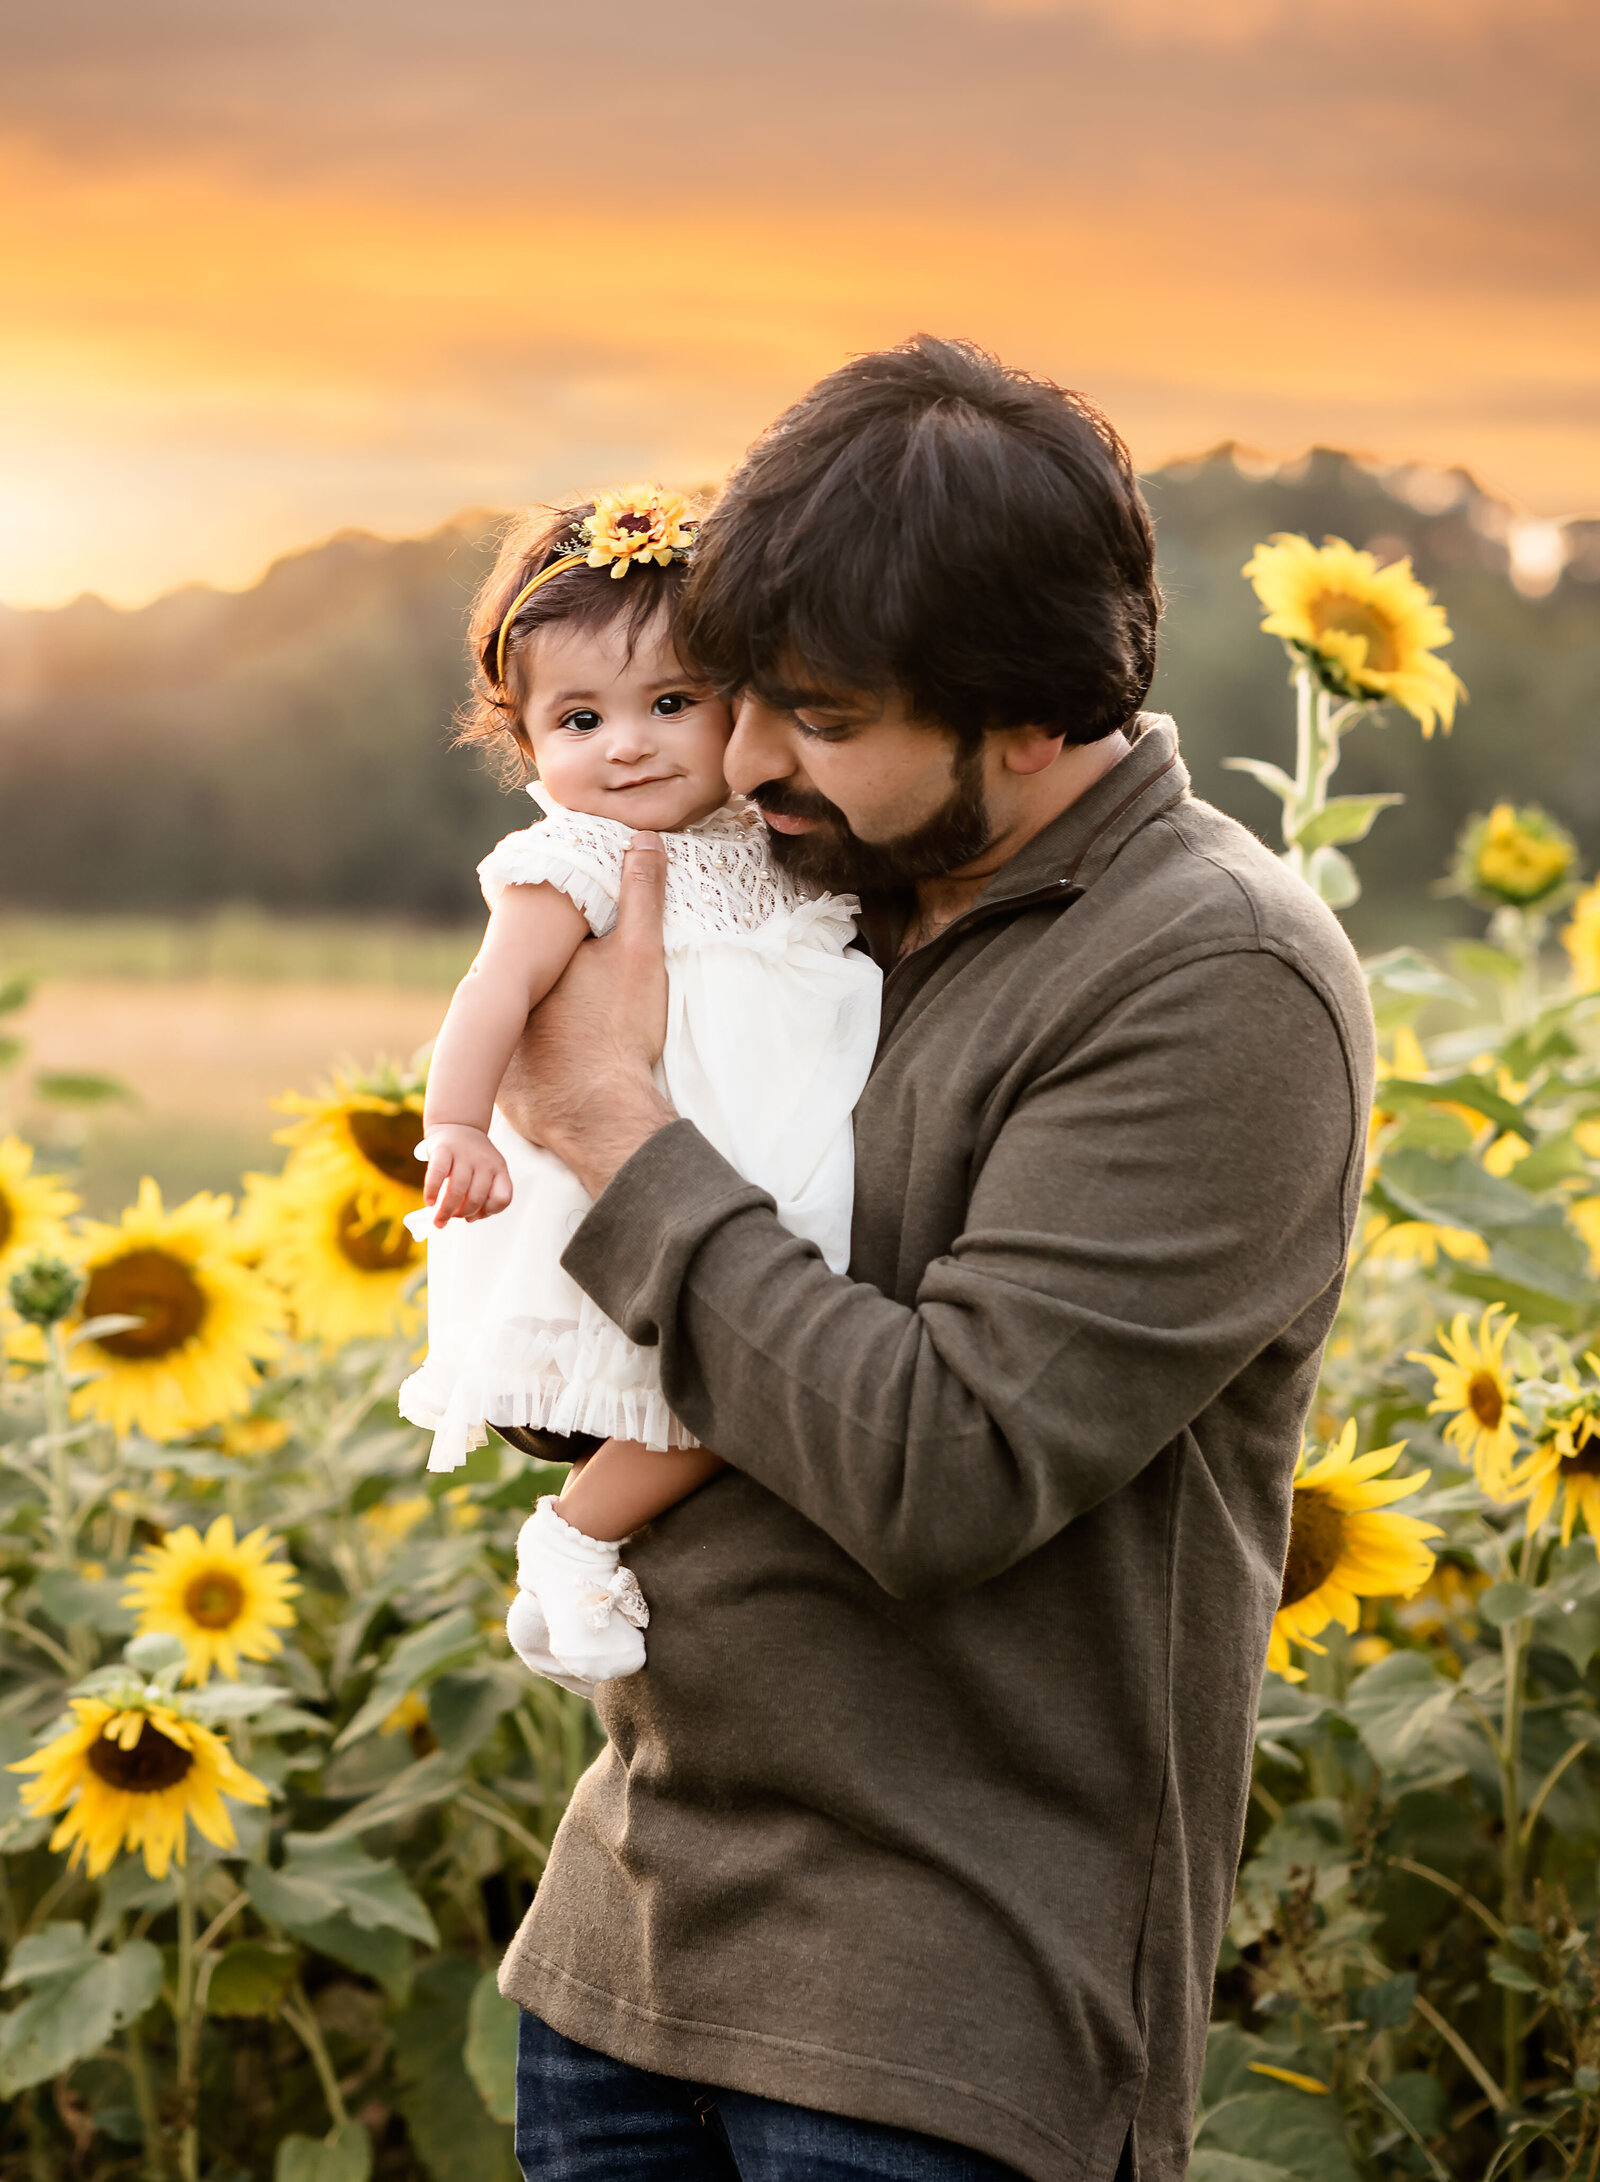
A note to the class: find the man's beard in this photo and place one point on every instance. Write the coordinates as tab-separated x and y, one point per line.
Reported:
835	861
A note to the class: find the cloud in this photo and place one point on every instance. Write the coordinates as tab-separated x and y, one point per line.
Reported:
273	269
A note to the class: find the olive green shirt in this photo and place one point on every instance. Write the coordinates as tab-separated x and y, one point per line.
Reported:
927	1807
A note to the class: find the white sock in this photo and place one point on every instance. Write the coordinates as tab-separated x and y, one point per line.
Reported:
593	1607
530	1640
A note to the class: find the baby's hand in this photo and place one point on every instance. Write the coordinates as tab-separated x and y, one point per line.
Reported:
466	1179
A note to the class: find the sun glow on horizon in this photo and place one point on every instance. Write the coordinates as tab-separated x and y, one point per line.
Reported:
220	347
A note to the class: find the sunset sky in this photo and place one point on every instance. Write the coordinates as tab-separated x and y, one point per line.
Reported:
273	267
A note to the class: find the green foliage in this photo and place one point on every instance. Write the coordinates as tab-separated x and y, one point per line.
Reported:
1417	1921
76	1998
1410	1983
325	1987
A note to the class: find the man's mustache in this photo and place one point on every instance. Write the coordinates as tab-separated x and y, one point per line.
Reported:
787	802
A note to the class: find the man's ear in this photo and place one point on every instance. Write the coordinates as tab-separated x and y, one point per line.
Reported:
1027	750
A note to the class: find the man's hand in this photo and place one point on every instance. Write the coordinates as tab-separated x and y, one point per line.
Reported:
580	1081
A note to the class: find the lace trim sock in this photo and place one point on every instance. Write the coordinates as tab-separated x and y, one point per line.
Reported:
592	1605
530	1640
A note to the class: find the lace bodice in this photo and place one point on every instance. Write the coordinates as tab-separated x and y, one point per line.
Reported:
721	879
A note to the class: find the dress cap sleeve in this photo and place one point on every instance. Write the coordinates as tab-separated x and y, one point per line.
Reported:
566	849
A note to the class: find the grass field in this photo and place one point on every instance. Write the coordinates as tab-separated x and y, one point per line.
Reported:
206	1023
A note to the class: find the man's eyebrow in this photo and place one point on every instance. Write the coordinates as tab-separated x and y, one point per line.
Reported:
805	700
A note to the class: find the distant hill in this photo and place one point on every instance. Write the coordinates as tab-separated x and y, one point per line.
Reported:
289	745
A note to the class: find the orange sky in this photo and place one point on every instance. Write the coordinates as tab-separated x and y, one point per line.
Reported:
270	271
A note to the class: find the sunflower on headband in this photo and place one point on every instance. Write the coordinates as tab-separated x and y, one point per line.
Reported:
637	523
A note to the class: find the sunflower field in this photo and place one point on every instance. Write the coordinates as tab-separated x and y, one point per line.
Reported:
274	1793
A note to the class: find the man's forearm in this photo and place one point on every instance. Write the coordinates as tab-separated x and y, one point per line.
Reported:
1108	1286
615	1120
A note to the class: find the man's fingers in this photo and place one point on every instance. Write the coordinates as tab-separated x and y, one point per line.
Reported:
642	899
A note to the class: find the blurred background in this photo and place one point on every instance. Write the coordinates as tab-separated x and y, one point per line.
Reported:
299	297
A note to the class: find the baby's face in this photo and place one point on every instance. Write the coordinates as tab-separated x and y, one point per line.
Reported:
632	739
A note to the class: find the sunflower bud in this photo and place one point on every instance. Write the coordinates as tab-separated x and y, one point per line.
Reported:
1514	858
45	1289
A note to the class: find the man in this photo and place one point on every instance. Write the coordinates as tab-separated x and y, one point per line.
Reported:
912	1847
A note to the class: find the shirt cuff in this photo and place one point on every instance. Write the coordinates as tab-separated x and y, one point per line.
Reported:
632	1250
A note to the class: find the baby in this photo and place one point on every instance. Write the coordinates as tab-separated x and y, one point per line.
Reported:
772	1025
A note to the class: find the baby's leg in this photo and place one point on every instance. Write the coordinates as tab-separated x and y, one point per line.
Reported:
623	1485
569	1553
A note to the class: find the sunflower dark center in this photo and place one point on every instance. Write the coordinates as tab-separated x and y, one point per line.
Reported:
388	1141
7	1219
155	1762
637	526
1355	617
152	1286
214	1598
1584	1460
1486	1399
372	1246
1316	1540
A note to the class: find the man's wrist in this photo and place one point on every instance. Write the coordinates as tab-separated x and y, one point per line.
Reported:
618	1120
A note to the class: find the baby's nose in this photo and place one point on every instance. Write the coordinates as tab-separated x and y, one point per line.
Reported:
628	741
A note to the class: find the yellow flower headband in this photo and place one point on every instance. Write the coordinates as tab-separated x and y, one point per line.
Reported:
639	523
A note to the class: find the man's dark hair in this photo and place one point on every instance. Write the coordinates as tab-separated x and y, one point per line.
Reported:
929	519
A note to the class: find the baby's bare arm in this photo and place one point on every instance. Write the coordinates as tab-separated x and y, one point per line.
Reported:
532	934
622	1486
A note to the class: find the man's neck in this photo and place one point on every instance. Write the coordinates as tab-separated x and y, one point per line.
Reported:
1029	803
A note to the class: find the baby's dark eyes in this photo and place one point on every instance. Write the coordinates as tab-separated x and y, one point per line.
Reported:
668	706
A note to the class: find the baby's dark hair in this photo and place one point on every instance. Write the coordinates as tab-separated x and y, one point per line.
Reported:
584	598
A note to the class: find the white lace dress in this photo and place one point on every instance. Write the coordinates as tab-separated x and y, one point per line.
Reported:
772	1022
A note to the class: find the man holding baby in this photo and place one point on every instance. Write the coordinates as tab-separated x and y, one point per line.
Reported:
911	1849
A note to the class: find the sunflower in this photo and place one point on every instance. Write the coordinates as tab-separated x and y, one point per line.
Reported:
1472	1386
1369	634
1419	1242
1345	1547
410	1719
33	1208
257	1435
360	1137
1581	938
639	523
1585	1217
225	1599
130	1778
206	1321
346	1265
1513	858
1568	1462
391	1522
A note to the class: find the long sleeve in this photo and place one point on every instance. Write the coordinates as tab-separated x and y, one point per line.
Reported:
1155	1207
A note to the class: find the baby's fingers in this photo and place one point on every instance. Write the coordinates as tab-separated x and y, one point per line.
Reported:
481	1197
449	1186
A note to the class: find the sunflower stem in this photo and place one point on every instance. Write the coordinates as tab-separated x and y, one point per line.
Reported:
58	1424
1514	1653
188	2033
144	2100
301	2019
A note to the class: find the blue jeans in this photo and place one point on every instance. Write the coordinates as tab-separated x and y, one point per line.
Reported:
582	2117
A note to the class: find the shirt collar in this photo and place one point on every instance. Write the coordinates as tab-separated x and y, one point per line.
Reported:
1074	849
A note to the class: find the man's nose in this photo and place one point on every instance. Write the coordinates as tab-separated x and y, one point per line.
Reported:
759	747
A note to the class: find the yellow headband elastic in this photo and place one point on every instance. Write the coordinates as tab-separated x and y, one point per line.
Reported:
556	568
